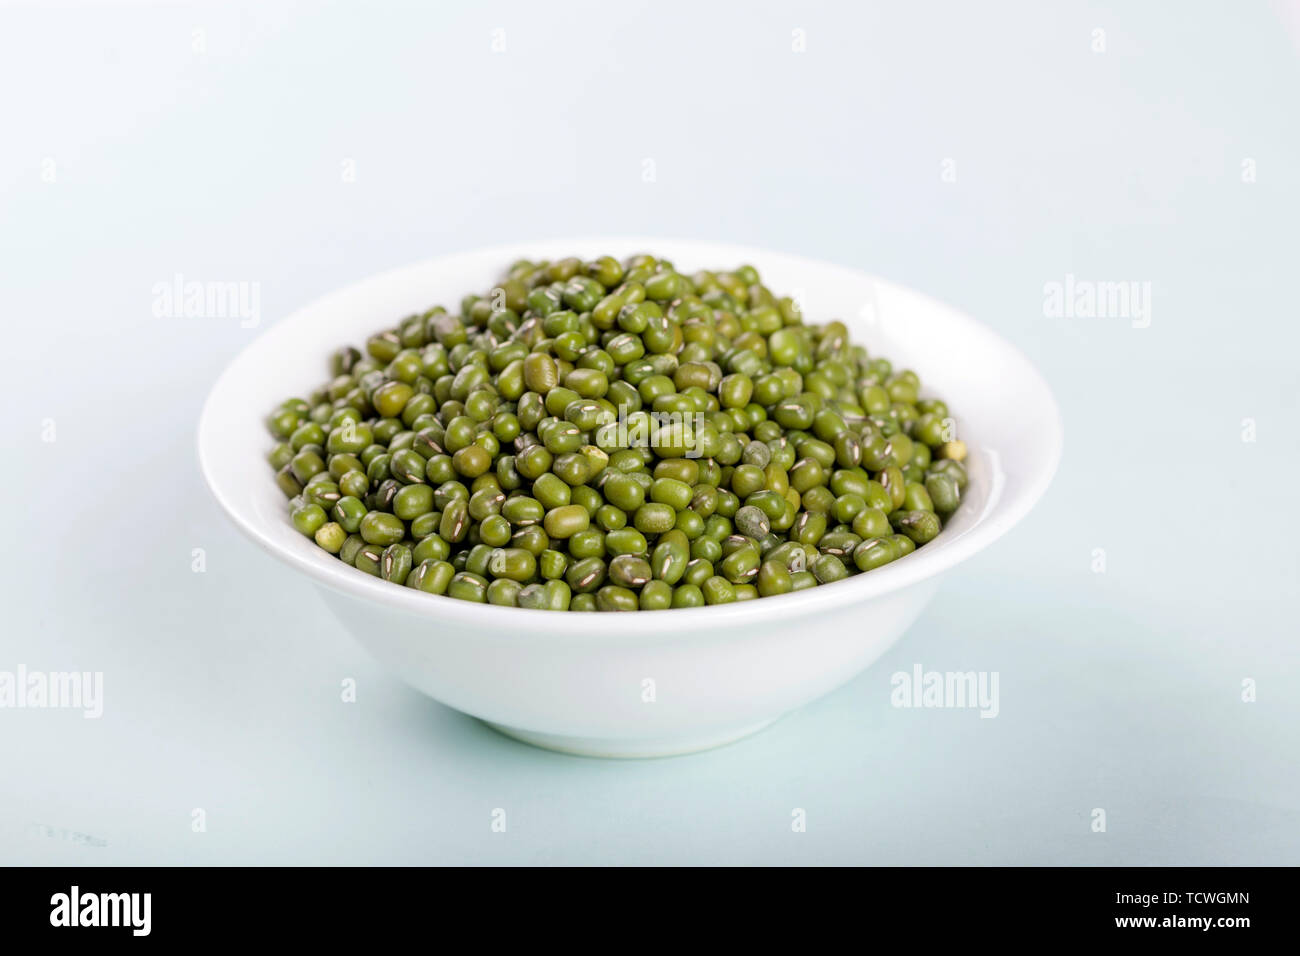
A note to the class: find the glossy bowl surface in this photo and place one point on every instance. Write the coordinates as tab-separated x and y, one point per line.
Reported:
646	683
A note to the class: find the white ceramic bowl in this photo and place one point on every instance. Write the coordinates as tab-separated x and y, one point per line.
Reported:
652	683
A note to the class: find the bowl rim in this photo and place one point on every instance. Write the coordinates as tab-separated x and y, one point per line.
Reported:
999	516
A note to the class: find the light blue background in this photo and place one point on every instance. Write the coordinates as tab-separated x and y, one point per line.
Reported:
1120	690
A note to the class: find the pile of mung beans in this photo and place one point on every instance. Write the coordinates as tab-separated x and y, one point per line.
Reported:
616	436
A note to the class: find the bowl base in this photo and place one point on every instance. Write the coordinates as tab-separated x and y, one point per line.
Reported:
634	747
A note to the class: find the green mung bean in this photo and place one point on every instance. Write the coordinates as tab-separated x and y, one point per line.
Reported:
617	435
